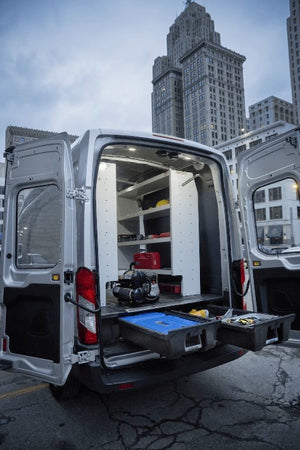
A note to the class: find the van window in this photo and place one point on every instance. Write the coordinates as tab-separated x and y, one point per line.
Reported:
38	227
276	214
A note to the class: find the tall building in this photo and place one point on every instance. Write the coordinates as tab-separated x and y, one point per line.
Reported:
268	111
198	87
293	34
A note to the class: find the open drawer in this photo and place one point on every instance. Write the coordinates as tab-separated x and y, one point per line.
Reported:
250	330
169	334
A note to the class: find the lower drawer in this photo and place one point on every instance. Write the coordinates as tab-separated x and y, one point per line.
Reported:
169	334
250	330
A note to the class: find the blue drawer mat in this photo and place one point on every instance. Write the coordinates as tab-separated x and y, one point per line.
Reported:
159	322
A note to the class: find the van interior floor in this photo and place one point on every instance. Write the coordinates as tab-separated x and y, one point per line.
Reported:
113	309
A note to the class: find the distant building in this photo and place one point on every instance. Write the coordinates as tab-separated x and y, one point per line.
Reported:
198	87
293	35
268	111
18	135
277	214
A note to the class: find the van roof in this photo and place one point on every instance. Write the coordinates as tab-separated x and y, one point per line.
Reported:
94	133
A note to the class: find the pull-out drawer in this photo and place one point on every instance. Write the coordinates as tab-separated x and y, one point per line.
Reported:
169	334
250	330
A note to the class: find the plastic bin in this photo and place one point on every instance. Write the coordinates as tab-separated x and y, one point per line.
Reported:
169	334
238	329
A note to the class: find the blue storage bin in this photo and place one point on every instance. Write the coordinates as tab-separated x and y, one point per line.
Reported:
169	334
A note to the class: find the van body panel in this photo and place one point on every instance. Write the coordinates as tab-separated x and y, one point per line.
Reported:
39	259
269	180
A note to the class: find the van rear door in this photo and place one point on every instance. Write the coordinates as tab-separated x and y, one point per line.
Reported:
38	260
269	180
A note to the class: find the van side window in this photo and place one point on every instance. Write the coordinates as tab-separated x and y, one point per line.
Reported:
277	221
38	227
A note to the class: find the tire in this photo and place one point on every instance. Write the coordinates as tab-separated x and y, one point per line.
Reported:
70	389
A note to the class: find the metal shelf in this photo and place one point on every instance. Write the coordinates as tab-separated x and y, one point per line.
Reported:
152	213
161	181
145	241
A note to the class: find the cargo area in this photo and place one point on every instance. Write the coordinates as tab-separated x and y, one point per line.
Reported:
159	212
163	252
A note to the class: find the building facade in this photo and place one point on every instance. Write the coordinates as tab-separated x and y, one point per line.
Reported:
198	88
277	214
293	35
268	111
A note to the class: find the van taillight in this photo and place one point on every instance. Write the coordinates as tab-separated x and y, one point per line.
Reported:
4	345
86	297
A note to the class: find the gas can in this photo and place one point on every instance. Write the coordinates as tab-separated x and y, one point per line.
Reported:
147	260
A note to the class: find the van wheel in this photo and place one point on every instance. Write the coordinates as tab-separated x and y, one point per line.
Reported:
70	389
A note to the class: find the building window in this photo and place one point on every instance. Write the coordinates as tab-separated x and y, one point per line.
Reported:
260	196
275	193
298	212
228	154
275	212
254	143
239	149
260	214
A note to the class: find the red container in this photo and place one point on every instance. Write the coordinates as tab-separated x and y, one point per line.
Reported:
169	288
147	260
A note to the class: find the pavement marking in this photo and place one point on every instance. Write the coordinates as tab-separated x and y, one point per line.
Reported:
28	390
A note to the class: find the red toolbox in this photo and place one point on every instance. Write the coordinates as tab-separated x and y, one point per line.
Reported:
147	260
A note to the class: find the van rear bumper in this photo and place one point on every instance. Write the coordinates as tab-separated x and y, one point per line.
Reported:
102	380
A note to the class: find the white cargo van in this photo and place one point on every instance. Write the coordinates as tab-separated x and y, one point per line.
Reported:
121	260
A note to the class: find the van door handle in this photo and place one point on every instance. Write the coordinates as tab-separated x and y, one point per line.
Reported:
68	299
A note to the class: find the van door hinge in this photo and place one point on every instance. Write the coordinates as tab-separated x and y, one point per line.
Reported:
77	194
83	357
9	154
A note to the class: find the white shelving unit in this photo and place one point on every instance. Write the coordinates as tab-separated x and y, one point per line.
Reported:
182	212
106	195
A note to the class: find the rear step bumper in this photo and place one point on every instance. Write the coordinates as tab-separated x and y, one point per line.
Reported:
154	372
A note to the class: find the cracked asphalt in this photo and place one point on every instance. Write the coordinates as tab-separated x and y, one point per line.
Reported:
251	403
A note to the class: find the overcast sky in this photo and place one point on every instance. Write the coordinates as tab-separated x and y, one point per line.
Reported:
69	65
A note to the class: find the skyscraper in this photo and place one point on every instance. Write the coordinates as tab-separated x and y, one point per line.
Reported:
293	34
198	87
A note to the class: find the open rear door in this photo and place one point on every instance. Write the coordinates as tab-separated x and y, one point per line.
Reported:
269	180
38	260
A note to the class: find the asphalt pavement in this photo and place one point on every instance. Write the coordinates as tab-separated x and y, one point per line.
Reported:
251	403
